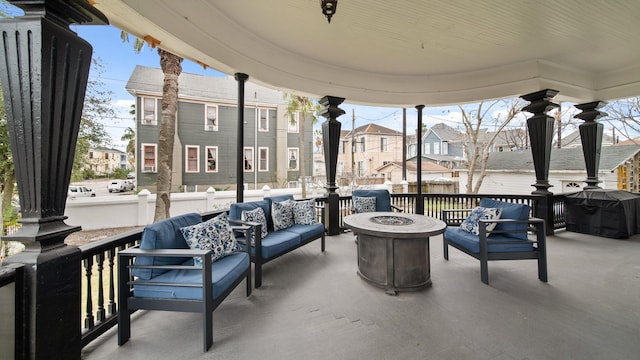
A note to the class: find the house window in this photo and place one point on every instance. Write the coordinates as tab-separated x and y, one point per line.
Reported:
149	111
445	148
248	159
360	168
263	159
383	144
294	120
293	158
436	148
362	147
212	158
342	146
150	155
192	158
263	120
211	118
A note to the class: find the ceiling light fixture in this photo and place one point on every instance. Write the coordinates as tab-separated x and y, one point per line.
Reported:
328	8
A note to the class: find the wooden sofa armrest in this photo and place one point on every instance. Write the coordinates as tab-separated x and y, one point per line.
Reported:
252	230
533	224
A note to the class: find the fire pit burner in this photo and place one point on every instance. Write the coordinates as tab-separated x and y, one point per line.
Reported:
391	220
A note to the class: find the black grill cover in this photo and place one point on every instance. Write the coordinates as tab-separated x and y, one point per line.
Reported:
609	213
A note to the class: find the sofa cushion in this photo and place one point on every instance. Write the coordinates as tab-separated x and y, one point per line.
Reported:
509	211
223	273
278	242
471	224
257	216
214	235
282	213
165	234
363	204
270	200
307	232
235	210
471	242
304	212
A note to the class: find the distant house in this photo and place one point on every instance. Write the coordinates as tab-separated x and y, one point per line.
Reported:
392	171
366	148
573	140
104	160
513	173
205	149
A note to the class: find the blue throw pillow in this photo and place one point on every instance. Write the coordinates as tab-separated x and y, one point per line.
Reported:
364	204
257	216
282	213
303	212
213	235
471	223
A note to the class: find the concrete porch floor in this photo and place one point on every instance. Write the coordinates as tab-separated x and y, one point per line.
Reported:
312	305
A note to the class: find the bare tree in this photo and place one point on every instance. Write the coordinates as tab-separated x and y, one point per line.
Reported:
478	141
624	117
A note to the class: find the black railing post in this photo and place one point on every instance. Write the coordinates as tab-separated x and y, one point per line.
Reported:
591	138
44	72
331	139
241	79
540	127
420	198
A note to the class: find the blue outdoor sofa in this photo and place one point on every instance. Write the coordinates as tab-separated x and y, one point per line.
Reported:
509	239
161	274
277	242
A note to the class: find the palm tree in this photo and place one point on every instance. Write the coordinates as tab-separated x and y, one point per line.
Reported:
171	68
305	107
130	136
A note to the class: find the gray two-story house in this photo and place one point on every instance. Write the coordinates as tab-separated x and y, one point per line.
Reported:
205	146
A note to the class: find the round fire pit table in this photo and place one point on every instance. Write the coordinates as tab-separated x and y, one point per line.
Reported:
393	249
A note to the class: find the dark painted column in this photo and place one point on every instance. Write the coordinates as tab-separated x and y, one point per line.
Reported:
44	72
540	127
331	139
591	138
241	78
420	198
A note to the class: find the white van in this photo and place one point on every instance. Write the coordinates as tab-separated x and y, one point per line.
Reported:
120	186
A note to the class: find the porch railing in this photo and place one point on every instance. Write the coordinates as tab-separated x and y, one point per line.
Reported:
12	274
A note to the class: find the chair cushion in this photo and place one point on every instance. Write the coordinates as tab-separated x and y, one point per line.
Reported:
282	213
257	216
471	242
304	212
509	211
165	234
364	204
214	235
223	273
307	232
383	198
270	200
471	225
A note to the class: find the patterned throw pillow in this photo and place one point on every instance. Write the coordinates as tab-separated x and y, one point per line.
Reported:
470	224
214	235
257	216
303	212
282	213
364	204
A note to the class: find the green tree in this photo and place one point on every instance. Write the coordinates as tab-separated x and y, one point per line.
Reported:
130	137
624	118
7	174
97	109
305	107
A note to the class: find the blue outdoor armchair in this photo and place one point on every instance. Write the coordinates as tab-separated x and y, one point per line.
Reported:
509	239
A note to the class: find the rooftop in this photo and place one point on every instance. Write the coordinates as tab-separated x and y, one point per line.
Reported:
312	305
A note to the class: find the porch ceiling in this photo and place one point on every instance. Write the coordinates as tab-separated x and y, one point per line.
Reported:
404	52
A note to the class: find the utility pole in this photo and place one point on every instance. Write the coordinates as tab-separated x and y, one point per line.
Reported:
353	145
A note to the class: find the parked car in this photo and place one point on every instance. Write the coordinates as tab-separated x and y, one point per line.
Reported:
120	186
80	191
131	175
